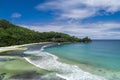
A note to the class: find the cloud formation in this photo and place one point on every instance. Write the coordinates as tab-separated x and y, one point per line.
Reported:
80	9
77	10
100	30
16	15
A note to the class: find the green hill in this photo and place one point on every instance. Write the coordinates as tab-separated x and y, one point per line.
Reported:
11	34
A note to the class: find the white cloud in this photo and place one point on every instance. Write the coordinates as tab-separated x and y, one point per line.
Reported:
80	9
16	15
100	30
78	14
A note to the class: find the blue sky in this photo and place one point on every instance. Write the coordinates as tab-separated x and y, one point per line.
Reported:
98	19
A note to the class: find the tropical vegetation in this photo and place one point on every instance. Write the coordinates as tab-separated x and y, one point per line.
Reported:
11	34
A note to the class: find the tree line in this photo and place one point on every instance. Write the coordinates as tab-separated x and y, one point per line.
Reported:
11	34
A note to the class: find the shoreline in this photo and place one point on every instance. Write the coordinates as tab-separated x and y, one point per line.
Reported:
64	70
6	67
19	47
54	59
70	72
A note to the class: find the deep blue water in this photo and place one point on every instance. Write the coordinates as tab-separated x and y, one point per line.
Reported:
102	53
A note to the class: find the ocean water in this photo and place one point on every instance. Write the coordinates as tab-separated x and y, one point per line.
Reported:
100	58
97	60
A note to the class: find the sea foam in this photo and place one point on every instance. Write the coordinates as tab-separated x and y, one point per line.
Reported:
50	62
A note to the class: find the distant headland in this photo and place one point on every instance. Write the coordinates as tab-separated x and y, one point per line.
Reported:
11	34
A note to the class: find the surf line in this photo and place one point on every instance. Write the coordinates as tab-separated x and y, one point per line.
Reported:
50	62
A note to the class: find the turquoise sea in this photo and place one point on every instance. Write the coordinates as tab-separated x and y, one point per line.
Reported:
100	57
97	60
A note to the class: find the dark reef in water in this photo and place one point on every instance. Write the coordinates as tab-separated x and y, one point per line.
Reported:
34	76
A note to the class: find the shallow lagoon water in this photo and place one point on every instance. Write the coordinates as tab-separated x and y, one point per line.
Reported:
98	60
98	57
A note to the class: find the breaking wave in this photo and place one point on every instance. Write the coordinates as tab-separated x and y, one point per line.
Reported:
50	62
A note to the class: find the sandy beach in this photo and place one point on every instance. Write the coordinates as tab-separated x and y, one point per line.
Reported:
18	47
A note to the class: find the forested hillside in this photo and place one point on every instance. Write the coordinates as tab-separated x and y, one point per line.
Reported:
11	34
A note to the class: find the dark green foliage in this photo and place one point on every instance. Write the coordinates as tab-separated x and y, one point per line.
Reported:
86	39
14	35
59	37
5	24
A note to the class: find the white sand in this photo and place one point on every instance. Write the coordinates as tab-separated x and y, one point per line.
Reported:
18	47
